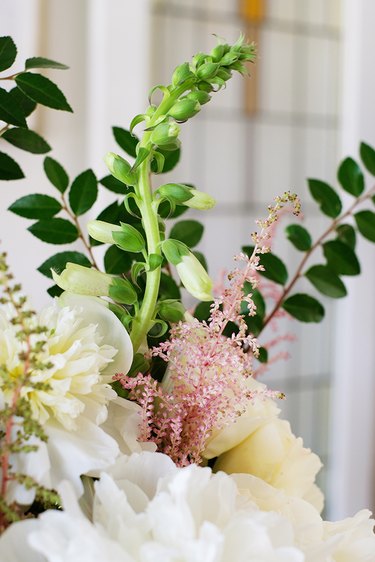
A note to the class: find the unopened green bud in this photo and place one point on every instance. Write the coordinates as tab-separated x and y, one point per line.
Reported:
120	168
102	231
208	70
229	58
198	59
184	109
151	110
200	200
218	52
177	192
205	87
174	250
122	291
224	74
171	310
181	73
165	134
199	96
129	239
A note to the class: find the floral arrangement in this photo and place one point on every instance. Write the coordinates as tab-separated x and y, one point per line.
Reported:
131	428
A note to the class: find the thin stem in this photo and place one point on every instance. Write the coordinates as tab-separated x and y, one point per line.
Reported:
80	233
307	255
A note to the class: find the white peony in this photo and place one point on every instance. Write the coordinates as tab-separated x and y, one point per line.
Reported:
82	342
147	510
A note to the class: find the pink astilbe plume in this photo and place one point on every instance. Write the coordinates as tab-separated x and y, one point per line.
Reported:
204	387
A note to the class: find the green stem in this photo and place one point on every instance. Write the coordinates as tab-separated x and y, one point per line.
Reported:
143	319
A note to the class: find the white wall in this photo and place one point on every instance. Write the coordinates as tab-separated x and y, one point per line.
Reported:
353	429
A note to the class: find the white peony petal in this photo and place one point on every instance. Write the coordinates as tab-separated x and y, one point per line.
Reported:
14	543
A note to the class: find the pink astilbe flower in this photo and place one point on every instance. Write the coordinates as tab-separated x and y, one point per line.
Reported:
204	387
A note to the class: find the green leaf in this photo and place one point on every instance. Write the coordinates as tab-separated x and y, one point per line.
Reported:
55	291
263	355
83	192
141	157
54	231
122	291
368	157
117	261
341	258
154	261
58	262
171	159
188	231
254	325
36	206
25	104
26	140
203	311
200	257
304	308
168	288
10	111
9	169
347	235
366	224
41	90
350	177
56	174
275	269
326	281
299	237
125	140
113	184
41	62
326	196
8	52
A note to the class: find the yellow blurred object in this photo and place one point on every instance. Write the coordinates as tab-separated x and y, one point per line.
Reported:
253	11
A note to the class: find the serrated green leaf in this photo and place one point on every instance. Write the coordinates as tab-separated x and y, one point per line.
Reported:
347	235
25	104
326	281
41	62
189	232
365	221
9	169
341	258
368	157
275	269
42	90
10	111
54	231
171	159
26	140
299	237
58	262
304	308
117	261
83	192
8	52
36	206
56	174
351	177
114	185
326	196
126	140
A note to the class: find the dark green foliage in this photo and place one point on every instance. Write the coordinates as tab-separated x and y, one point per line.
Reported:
365	221
304	308
83	192
341	258
351	177
189	232
326	196
9	169
26	140
36	206
126	140
41	90
56	174
59	261
347	235
54	231
368	157
326	281
8	52
299	237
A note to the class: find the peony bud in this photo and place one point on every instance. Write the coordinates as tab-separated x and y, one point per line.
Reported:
120	169
165	134
200	200
102	231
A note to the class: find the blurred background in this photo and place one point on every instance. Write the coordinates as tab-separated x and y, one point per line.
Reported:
309	102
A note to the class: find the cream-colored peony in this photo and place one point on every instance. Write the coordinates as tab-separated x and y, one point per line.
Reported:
82	341
147	510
